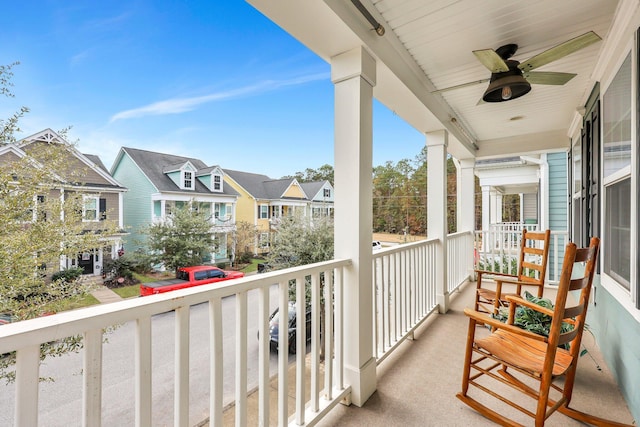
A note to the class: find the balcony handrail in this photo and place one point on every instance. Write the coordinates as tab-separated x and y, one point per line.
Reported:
26	337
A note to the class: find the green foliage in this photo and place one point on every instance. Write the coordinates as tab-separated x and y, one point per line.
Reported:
532	320
242	241
300	242
140	261
504	264
323	173
184	238
39	227
67	275
121	267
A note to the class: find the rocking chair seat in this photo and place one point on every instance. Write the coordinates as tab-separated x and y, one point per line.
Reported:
523	352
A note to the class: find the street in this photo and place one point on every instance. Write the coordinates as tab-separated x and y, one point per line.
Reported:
61	399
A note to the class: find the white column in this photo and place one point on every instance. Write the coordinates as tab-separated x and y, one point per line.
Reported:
353	73
466	195
498	209
543	221
486	207
437	209
466	203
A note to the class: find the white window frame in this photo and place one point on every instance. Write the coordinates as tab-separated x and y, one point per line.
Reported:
189	180
85	199
626	298
216	186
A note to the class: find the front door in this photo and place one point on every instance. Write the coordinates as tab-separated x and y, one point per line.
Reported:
85	262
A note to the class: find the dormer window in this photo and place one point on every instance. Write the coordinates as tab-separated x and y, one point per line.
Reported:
187	180
327	192
217	183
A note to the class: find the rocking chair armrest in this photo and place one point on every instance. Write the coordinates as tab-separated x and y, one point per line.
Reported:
494	273
521	301
496	324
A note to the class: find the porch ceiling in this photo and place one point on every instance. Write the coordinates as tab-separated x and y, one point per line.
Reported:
428	47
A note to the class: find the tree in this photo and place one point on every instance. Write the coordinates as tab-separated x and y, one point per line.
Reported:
323	173
299	241
41	222
183	238
243	238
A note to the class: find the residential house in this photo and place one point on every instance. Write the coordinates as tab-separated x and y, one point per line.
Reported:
159	183
102	194
416	58
264	201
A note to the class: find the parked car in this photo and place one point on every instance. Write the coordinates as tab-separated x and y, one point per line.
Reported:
377	245
5	318
188	277
274	328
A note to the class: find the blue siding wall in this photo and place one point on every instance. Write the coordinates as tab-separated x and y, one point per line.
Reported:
136	201
616	332
558	203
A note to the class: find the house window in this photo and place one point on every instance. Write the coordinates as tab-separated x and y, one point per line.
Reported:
187	180
263	240
216	211
616	133
617	262
90	208
264	212
217	183
326	192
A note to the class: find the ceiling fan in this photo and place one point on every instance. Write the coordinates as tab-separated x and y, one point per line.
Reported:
512	79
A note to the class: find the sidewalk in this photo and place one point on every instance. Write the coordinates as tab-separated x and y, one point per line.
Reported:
105	295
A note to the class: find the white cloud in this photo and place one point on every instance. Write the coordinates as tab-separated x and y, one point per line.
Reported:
181	105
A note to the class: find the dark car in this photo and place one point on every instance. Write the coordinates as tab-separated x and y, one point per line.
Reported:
274	328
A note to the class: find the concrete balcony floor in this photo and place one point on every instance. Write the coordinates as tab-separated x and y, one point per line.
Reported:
417	384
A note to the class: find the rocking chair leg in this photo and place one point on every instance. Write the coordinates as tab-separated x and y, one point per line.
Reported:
486	412
590	419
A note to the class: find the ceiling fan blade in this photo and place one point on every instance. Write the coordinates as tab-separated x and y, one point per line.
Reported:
559	51
460	86
490	59
548	77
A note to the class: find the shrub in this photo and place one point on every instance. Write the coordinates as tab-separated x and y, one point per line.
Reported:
67	275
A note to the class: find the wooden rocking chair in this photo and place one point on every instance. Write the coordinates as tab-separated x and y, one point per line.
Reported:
518	358
532	269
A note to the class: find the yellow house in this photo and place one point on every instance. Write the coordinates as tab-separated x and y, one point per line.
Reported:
263	201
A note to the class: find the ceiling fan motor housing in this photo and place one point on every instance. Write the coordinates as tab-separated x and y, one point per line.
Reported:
507	85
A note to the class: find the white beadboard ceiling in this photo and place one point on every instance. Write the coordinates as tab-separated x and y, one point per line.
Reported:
428	47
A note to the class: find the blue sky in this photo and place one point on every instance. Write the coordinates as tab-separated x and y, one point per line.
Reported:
214	80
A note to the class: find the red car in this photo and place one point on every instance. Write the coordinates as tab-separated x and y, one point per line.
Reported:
188	277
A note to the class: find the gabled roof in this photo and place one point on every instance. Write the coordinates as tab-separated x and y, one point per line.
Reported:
95	159
154	165
312	188
101	178
253	183
262	187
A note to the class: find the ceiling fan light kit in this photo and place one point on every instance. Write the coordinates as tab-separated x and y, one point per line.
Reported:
506	86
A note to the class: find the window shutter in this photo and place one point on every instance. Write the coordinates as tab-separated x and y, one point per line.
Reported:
103	209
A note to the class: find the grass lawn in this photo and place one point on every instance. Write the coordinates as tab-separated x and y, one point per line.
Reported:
250	268
128	291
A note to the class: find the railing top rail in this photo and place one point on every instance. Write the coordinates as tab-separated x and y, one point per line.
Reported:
403	247
14	336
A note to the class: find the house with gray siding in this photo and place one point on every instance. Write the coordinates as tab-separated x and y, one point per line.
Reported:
102	196
159	183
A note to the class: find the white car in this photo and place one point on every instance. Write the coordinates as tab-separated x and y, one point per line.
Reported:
377	245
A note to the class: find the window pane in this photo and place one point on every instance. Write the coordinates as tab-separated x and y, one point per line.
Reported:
617	121
618	228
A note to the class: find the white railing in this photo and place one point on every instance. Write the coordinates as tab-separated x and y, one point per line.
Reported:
404	295
25	339
459	259
498	250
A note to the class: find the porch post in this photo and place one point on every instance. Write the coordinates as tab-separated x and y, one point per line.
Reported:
466	202
353	74
437	209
